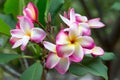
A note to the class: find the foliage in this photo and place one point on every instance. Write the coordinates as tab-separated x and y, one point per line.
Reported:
4	58
6	29
34	72
89	65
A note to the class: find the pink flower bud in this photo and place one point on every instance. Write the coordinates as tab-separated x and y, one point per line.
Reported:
31	11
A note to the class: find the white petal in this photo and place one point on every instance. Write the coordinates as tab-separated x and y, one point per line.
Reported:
64	50
72	15
17	43
78	54
17	33
62	37
86	42
66	21
74	31
84	29
52	60
63	65
13	40
25	41
84	19
95	23
87	51
37	35
26	24
96	51
49	46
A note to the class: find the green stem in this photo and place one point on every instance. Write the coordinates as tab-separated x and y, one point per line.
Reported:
29	57
40	24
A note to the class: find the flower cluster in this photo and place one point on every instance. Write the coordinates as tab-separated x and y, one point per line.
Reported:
25	29
72	43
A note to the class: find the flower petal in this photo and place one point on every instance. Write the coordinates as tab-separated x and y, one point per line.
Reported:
96	51
26	25
49	46
17	43
74	31
64	50
95	23
13	40
52	60
18	25
87	51
72	15
66	21
20	17
25	41
84	29
17	33
27	12
86	42
62	37
33	10
37	35
78	54
63	65
80	18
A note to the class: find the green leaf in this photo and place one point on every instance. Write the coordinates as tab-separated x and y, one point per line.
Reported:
89	65
8	20
21	6
116	6
11	7
34	72
4	58
4	28
41	5
108	56
54	7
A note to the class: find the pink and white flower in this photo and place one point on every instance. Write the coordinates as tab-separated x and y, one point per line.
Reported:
72	19
92	23
96	51
61	64
82	22
71	43
24	32
31	11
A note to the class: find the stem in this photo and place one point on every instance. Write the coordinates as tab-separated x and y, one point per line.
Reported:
41	27
10	70
25	62
44	74
40	24
29	57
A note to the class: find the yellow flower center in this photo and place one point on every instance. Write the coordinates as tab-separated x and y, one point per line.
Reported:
28	34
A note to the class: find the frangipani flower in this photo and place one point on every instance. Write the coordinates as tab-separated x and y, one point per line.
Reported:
96	51
31	11
25	32
71	43
92	23
61	64
83	27
82	22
